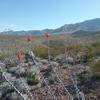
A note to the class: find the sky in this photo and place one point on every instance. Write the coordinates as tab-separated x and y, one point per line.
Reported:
41	14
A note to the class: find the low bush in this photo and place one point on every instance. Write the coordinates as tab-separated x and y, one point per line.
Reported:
95	68
31	79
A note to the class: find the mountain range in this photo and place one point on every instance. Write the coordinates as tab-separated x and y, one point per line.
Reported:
88	25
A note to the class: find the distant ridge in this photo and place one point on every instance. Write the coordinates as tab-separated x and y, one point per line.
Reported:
89	25
82	33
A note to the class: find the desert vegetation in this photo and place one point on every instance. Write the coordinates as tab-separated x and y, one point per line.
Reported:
73	66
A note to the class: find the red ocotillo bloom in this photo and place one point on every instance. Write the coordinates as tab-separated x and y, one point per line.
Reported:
47	35
20	55
29	38
65	50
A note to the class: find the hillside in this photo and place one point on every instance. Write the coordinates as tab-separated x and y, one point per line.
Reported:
89	25
81	33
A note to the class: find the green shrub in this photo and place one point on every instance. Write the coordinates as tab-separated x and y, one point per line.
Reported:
10	63
3	56
13	64
31	79
94	49
42	51
95	68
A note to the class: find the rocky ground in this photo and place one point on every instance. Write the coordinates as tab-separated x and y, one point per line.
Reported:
49	86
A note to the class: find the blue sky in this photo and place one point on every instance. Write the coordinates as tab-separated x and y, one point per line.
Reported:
41	14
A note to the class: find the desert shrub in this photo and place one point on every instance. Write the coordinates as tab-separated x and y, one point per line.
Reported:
96	44
31	79
43	51
10	63
84	77
3	56
94	49
55	43
95	68
56	51
13	64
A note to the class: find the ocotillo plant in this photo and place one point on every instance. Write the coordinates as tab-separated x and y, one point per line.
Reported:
20	57
47	39
29	39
